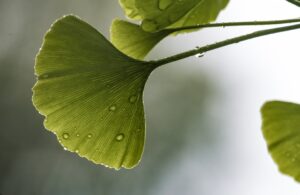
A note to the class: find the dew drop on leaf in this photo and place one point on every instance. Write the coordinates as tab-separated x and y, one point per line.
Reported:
112	108
77	135
65	135
120	137
89	135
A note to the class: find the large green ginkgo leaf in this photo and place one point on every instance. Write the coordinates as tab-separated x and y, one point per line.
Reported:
91	94
132	40
281	129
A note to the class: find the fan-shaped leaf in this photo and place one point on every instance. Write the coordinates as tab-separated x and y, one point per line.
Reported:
203	13
281	129
132	40
160	14
130	10
91	94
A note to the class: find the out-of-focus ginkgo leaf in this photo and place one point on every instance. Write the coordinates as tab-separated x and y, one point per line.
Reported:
130	10
281	129
91	94
203	13
157	15
160	18
133	40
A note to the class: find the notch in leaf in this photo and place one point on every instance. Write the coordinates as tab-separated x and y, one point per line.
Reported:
91	94
281	129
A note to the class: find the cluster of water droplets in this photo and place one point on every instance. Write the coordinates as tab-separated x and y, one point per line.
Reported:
119	137
290	155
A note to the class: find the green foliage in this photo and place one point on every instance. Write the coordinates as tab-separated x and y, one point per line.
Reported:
132	40
91	94
281	129
160	18
202	13
157	15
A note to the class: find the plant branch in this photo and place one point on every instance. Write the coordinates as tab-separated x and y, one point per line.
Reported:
220	44
227	24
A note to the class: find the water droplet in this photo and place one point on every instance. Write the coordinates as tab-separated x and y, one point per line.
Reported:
112	108
77	134
199	55
77	151
65	135
89	135
164	4
120	137
133	99
65	148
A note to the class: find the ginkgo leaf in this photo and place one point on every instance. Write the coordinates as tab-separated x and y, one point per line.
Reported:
133	40
203	13
281	129
91	94
130	10
159	14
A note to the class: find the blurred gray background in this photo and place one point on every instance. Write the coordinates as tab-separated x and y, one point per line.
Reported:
203	121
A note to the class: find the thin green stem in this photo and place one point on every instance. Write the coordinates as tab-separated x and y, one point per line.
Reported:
220	44
227	24
295	2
